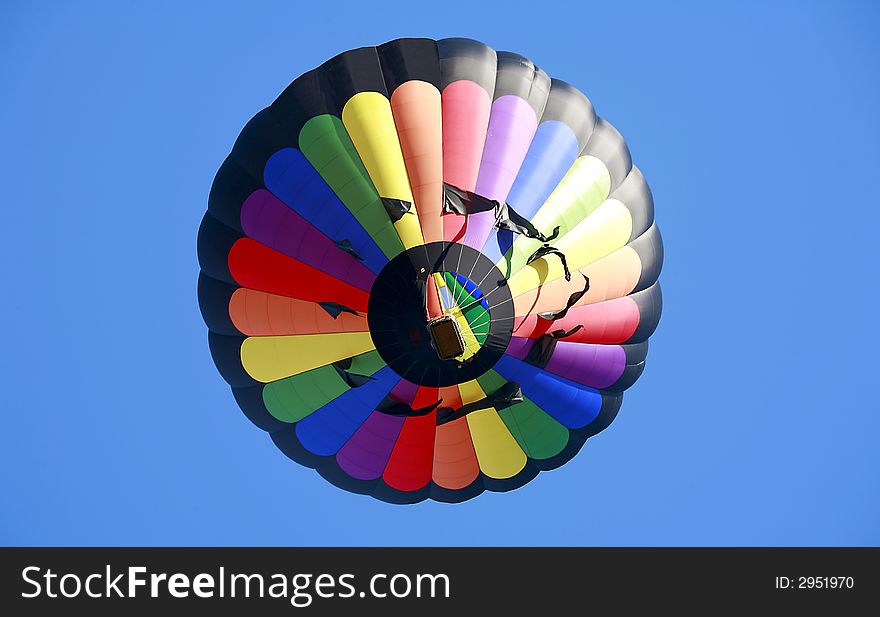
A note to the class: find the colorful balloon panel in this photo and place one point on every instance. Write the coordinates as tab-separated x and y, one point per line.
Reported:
290	177
399	187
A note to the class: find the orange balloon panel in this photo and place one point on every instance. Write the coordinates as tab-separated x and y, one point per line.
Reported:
417	116
257	313
613	276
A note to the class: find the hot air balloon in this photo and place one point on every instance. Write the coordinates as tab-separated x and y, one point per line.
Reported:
429	270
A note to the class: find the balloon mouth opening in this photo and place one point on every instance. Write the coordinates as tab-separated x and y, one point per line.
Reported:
446	337
466	332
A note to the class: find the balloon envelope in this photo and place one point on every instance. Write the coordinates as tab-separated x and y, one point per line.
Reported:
412	191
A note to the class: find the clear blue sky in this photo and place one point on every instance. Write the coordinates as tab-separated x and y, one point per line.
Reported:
755	423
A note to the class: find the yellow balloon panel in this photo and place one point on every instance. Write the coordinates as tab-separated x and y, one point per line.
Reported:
583	188
605	230
497	451
268	358
370	124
